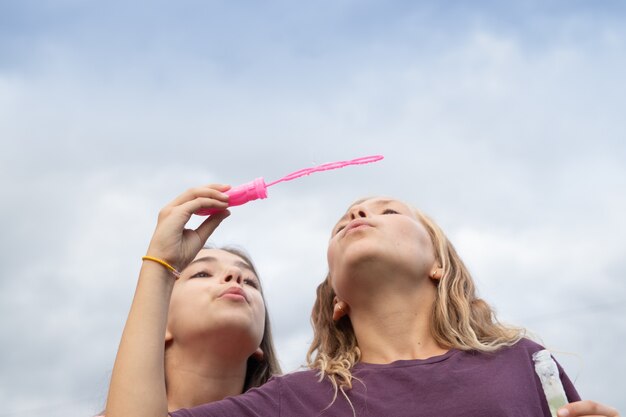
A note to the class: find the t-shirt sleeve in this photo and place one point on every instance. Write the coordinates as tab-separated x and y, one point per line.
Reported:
257	402
568	386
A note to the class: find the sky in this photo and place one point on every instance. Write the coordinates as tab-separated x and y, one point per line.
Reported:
503	121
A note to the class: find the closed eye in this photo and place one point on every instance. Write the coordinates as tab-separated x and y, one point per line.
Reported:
390	211
251	282
202	274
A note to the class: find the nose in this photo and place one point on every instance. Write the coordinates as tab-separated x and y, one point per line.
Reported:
358	211
233	274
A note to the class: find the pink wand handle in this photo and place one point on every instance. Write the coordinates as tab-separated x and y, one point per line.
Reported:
241	194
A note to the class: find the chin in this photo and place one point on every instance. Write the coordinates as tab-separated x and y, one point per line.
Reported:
357	265
358	253
235	330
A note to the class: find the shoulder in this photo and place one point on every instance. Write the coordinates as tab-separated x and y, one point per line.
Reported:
299	377
277	384
307	383
526	343
518	354
297	391
525	346
516	358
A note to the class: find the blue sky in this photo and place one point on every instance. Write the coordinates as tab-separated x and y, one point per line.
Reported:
502	120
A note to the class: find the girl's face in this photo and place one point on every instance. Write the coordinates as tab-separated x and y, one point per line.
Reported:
218	294
378	239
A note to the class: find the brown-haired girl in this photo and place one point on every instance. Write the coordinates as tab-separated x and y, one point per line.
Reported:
194	336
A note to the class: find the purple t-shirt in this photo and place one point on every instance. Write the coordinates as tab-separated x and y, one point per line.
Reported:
457	383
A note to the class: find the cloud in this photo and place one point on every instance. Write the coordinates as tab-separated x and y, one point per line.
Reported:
503	123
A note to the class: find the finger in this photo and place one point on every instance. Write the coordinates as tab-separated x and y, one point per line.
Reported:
191	207
177	217
588	409
215	191
208	226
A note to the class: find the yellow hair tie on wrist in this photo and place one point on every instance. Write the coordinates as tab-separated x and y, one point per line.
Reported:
162	262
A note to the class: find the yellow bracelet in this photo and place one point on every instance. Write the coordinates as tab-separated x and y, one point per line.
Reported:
162	262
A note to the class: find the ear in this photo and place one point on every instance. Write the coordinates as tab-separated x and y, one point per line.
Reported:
258	354
168	336
436	274
340	309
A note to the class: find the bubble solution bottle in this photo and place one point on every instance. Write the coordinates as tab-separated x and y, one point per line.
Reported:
548	373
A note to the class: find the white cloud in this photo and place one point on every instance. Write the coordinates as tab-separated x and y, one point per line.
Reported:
512	139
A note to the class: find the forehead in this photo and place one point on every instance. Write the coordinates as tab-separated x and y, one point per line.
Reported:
221	256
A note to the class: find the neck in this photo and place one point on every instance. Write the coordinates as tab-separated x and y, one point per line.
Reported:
195	378
395	325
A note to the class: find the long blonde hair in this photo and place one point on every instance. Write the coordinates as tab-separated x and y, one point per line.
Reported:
459	319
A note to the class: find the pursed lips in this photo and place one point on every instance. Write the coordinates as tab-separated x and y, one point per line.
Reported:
357	223
234	292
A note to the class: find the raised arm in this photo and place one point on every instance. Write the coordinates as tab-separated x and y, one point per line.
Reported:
138	380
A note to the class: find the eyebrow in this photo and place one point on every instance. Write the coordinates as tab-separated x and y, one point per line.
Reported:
240	264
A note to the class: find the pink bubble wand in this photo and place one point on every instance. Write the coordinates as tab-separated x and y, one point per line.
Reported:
257	188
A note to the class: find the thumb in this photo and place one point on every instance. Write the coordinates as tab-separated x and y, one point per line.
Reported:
209	225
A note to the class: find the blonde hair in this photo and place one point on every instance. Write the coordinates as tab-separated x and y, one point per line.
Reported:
459	319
